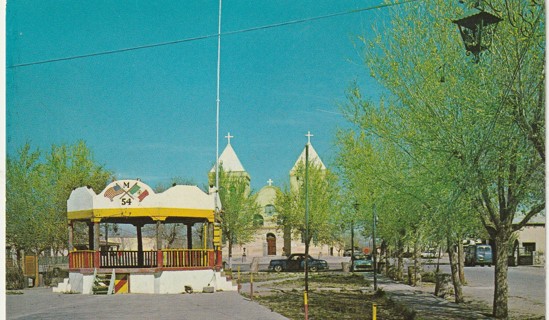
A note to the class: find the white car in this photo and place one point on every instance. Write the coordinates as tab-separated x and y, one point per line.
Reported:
429	254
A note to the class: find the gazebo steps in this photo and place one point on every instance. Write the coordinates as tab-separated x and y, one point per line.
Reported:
224	283
103	283
62	287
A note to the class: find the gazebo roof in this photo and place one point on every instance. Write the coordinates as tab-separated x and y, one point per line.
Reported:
135	199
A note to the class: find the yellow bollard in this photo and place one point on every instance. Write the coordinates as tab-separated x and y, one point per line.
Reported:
306	305
374	311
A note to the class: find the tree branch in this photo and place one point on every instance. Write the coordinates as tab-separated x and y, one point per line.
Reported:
535	210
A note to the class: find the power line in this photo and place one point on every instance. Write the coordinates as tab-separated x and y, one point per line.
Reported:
270	26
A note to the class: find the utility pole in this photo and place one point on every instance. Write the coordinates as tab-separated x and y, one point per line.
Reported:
216	197
306	293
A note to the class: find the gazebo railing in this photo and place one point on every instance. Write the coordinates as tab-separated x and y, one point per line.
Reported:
128	259
187	258
170	258
81	259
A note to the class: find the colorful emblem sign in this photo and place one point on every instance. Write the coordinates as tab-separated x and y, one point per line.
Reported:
127	192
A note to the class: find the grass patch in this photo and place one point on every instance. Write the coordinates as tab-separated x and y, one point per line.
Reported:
330	305
347	281
70	292
331	296
265	276
13	292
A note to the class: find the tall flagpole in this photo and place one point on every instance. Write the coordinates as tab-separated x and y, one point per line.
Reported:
217	107
216	198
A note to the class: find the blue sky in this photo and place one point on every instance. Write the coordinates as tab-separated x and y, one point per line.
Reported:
150	113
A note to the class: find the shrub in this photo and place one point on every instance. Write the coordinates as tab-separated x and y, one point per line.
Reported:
15	279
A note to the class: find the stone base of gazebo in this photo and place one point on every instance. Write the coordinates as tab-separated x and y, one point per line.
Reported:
149	281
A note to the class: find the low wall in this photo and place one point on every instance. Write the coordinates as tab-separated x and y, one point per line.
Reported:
81	282
159	282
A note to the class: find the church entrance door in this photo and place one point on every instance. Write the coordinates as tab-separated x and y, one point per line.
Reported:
271	244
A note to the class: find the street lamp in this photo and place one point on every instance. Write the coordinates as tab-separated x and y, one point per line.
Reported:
477	28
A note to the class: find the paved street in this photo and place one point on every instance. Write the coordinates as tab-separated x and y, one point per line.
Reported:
526	287
42	303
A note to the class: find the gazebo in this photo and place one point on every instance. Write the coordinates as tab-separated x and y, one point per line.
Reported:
161	270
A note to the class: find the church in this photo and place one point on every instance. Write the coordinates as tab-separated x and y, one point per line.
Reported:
269	239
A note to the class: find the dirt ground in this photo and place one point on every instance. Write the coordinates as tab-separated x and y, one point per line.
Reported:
331	296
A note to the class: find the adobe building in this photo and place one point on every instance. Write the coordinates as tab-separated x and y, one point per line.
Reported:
529	246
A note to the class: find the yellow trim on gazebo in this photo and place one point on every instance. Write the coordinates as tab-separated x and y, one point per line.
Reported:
217	236
154	213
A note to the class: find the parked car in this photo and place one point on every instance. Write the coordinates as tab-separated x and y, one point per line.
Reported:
430	253
296	262
362	262
349	252
480	254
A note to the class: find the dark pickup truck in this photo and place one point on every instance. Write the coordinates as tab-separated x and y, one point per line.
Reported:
296	262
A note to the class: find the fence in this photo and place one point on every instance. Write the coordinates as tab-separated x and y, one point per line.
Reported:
171	258
187	258
128	259
81	259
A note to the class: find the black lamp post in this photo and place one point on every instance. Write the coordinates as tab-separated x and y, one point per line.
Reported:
477	28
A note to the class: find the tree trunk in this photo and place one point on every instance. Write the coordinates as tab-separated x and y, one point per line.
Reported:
230	255
461	263
287	240
501	289
400	261
417	263
386	269
458	294
438	260
36	273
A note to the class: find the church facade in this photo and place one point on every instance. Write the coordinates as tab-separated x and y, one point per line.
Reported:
269	239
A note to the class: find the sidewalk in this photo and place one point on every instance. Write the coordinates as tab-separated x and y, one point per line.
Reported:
424	304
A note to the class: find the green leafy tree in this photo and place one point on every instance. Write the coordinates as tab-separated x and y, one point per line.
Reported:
68	167
324	206
239	207
475	131
25	205
37	192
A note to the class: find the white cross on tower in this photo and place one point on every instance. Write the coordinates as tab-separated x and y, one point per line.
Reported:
228	136
270	182
308	135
